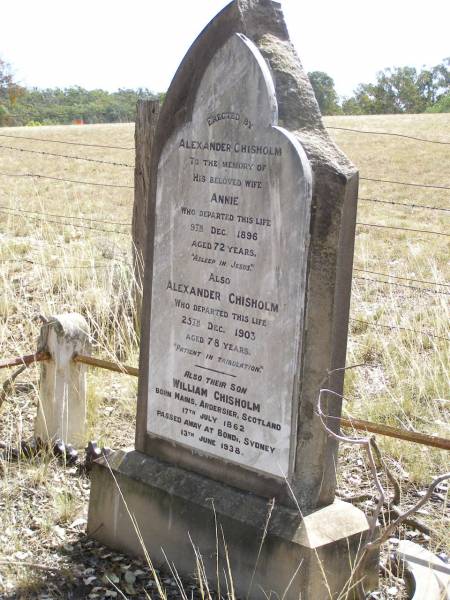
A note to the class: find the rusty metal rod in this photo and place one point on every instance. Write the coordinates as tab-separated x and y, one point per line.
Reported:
401	434
28	359
106	364
358	424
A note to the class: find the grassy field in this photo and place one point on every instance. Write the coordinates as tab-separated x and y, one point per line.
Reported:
51	264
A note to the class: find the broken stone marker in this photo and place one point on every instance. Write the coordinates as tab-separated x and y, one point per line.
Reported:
62	390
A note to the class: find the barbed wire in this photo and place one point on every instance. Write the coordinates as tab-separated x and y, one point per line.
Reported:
398	277
403	228
21	137
94	160
132	167
402	135
405	205
40	176
77	225
421	185
23	210
395	327
39	139
74	267
403	285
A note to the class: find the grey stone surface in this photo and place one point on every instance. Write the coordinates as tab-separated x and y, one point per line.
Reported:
229	272
175	511
322	329
427	576
62	387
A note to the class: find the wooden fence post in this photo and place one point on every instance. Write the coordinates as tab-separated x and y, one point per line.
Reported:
62	394
147	115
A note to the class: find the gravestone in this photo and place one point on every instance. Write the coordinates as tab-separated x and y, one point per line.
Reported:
229	273
251	215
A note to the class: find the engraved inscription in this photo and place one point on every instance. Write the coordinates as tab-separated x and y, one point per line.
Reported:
230	251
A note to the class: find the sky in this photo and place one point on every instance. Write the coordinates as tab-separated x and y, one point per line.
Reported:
139	43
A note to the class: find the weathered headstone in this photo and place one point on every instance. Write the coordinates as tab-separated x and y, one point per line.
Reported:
229	272
247	283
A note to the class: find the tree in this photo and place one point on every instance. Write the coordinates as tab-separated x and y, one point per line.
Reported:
326	96
5	79
401	90
351	106
9	91
396	91
441	106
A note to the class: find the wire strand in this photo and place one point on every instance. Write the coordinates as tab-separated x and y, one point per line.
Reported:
421	185
78	225
398	277
395	327
39	176
94	160
401	135
35	139
403	285
403	229
405	205
74	267
33	212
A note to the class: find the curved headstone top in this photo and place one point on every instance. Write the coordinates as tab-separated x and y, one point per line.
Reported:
238	79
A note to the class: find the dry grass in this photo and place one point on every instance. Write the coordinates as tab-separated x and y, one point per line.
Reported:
70	268
87	271
409	378
407	382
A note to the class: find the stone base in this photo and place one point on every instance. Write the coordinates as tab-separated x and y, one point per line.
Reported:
176	510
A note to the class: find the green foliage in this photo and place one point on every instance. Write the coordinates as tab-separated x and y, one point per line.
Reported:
6	81
54	106
9	91
351	106
326	96
396	90
441	106
401	90
3	115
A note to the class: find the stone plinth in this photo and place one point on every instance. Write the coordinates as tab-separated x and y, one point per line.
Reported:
176	510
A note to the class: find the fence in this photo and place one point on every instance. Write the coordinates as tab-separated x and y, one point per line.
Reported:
375	279
357	424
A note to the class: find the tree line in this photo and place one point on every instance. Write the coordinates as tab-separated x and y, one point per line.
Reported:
396	90
52	106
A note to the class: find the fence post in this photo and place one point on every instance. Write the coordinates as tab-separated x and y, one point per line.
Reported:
147	115
62	394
